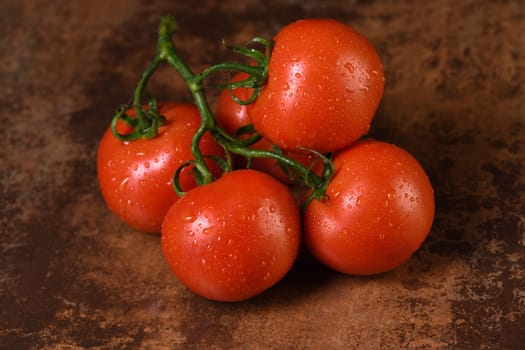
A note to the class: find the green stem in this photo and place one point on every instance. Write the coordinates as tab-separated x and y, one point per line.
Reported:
142	119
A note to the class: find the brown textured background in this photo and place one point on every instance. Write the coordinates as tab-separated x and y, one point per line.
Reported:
72	276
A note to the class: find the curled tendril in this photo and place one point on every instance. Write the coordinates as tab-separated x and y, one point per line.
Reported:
177	187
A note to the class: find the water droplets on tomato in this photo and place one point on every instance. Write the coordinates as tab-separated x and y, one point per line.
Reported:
123	183
350	67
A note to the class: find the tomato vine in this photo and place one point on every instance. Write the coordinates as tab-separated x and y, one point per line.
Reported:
148	120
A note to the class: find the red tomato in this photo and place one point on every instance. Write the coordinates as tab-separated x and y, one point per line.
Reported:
325	82
234	238
136	176
232	116
380	210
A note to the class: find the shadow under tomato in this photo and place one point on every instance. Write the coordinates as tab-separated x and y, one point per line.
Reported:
306	276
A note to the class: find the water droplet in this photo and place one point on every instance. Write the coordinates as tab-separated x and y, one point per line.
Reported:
349	67
359	201
203	262
156	160
418	199
266	276
123	183
286	86
298	75
272	208
206	231
142	182
381	236
146	165
412	199
189	218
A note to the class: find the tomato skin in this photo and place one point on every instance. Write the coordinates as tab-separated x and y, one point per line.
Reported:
232	116
325	82
234	238
135	177
380	210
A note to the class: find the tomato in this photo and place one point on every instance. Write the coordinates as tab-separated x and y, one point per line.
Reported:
380	210
325	82
232	116
136	176
233	238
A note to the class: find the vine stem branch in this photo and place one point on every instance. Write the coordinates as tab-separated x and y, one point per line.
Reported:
148	121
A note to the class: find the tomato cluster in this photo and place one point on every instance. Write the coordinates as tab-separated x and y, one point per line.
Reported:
369	204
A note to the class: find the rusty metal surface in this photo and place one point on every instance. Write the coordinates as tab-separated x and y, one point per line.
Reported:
72	276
